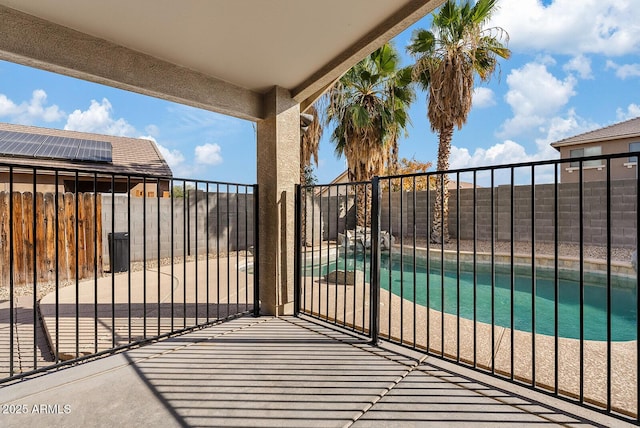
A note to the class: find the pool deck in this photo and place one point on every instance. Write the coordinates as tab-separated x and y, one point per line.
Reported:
279	372
424	329
428	324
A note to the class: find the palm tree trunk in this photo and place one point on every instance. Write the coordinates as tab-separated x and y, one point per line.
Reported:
363	205
303	211
393	161
440	224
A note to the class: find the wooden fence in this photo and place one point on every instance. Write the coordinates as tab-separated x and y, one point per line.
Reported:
43	237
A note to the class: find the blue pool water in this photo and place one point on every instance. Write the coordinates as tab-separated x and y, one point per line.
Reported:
401	282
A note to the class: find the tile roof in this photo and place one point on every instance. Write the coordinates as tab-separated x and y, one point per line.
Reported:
130	155
626	129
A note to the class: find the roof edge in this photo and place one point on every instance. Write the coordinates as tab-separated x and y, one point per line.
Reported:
571	141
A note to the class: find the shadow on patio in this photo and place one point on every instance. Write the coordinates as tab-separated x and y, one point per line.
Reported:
277	372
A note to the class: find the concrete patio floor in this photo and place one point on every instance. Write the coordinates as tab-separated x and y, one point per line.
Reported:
277	372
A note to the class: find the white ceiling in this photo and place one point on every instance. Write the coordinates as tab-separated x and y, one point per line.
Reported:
301	45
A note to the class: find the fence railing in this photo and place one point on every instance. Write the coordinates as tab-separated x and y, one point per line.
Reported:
535	284
325	260
92	263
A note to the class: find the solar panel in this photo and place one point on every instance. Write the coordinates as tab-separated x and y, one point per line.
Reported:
57	148
13	143
96	151
18	148
54	147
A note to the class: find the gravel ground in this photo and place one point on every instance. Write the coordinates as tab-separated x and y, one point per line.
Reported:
27	290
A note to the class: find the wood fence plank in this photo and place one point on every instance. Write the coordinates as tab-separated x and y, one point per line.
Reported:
63	270
28	241
4	239
18	238
41	268
82	250
49	237
70	217
87	203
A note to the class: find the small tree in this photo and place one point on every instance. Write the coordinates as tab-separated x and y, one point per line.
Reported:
409	166
178	191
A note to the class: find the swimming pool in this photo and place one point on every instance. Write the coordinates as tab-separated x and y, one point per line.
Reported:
401	280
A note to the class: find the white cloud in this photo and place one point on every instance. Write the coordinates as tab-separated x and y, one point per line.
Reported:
508	152
558	128
483	97
535	95
30	111
581	65
152	130
36	109
502	153
633	111
545	59
624	71
571	27
97	118
174	158
7	107
208	154
511	152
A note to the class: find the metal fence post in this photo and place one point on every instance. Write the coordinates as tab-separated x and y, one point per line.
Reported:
374	307
297	250
256	253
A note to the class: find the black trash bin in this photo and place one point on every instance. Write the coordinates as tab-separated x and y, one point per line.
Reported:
119	251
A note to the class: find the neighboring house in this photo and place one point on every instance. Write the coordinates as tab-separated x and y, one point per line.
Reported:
343	178
618	138
50	149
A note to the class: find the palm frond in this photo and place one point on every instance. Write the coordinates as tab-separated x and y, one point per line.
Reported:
368	108
449	56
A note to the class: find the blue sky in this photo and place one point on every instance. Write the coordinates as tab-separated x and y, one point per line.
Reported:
575	67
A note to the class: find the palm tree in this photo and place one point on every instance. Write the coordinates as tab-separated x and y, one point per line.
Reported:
448	58
368	107
310	135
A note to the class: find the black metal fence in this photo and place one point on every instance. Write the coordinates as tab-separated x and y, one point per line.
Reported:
536	282
93	262
325	257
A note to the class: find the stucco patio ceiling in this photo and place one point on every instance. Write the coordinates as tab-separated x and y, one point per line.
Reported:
221	55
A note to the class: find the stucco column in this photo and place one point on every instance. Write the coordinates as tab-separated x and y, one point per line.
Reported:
278	173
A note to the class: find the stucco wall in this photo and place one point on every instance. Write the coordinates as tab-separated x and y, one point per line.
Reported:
619	171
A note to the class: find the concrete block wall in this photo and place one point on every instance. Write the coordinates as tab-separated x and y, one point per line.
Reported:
400	214
313	224
230	224
337	214
398	210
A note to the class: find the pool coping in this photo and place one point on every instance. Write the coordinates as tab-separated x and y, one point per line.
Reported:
545	261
